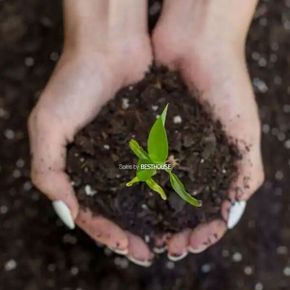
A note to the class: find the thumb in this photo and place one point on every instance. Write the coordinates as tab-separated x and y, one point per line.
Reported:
48	148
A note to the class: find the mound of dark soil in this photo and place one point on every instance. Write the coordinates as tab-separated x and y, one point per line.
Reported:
99	160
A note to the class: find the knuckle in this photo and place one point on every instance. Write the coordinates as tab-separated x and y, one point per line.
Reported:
38	179
38	119
42	180
258	180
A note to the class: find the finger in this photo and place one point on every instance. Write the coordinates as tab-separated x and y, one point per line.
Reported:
236	212
139	252
103	231
205	235
250	178
178	245
48	149
232	212
160	244
225	209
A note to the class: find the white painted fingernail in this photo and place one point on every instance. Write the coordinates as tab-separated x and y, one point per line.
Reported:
176	258
159	250
196	250
64	213
139	262
119	251
236	212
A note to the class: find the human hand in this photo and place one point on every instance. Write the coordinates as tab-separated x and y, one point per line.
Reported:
93	67
205	41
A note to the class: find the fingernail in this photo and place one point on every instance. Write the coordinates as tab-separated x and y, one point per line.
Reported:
64	213
119	251
235	214
141	263
196	250
159	250
176	257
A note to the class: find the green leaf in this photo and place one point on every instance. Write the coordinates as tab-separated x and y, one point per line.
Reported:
157	143
164	114
133	181
138	150
145	173
179	188
156	187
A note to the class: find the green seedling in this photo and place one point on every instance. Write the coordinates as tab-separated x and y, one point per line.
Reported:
156	158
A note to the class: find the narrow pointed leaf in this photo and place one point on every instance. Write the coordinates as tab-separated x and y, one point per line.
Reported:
156	187
143	173
179	188
137	149
157	143
164	114
133	181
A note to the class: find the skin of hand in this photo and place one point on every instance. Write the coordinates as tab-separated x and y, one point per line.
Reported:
205	42
106	47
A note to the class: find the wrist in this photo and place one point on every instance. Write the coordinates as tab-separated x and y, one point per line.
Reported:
104	26
193	21
83	20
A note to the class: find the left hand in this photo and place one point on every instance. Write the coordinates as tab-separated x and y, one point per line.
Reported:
204	41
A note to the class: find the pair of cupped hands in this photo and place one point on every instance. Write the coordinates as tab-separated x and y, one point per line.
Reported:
209	56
